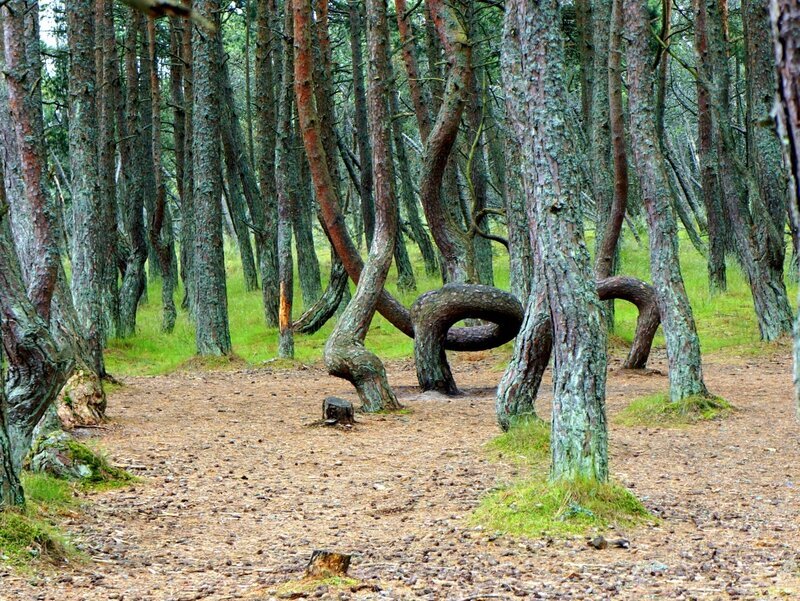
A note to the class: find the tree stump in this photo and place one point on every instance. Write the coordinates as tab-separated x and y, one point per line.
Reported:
337	411
325	564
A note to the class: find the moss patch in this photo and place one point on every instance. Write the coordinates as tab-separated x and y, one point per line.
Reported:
657	411
537	507
526	441
103	474
49	494
534	506
307	586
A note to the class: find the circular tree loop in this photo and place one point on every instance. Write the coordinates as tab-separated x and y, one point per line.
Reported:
435	312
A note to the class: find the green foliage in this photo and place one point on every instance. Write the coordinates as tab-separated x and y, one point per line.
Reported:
537	507
657	411
46	492
28	535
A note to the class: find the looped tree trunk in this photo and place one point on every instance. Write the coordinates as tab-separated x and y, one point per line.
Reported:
642	295
435	312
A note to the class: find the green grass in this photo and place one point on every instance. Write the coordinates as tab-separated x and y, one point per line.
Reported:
533	506
307	586
536	507
526	442
657	411
29	535
725	323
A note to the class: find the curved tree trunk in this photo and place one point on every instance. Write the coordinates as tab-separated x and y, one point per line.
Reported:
320	312
448	237
345	354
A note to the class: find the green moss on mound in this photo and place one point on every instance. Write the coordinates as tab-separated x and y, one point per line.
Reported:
657	411
534	506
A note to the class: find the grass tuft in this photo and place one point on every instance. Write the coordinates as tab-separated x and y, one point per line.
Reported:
537	507
307	586
26	537
49	494
657	411
526	441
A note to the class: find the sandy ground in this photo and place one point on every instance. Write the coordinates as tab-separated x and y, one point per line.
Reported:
238	490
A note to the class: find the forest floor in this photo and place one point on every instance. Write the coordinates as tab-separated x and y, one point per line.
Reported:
237	489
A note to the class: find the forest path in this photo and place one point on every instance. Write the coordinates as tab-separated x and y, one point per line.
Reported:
238	490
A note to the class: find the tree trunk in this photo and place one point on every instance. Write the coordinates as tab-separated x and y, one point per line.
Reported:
752	226
287	192
187	187
579	439
132	205
785	18
161	235
107	98
87	250
302	222
362	130
211	305
266	128
683	345
709	164
448	237
320	312
345	354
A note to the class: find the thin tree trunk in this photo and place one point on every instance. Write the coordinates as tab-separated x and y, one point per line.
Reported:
709	164
683	345
160	222
133	280
302	221
266	128
287	192
187	187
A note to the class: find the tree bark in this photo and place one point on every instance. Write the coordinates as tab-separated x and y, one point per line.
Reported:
579	439
160	230
211	306
683	345
785	19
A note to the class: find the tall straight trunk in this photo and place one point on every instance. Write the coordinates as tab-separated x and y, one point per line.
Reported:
148	175
448	236
176	82
266	127
600	135
362	130
662	66
477	176
87	251
107	98
785	20
345	353
212	334
579	438
709	163
287	192
683	345
303	218
420	97
763	148
584	22
132	196
241	180
160	229
755	232
187	182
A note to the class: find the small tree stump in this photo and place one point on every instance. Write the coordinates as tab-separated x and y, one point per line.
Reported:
337	411
325	564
